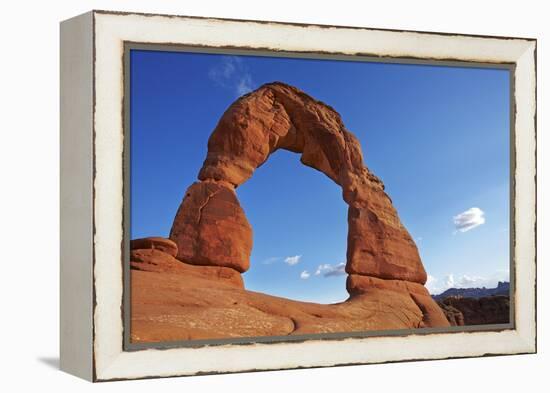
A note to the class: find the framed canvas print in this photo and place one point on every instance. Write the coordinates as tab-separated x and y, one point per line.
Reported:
245	195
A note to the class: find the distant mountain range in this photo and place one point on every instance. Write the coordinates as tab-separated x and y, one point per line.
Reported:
502	288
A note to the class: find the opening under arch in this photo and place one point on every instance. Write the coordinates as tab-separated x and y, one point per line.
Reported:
300	229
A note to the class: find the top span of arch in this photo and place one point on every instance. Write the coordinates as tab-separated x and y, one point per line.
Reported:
280	116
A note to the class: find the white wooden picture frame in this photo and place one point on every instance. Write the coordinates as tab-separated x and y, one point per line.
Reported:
93	181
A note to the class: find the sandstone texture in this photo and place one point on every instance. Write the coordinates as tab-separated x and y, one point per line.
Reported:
154	261
155	243
172	300
432	315
191	291
211	229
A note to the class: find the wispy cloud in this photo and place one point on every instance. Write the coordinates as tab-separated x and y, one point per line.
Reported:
469	219
245	85
270	260
436	286
305	275
222	72
232	73
293	260
328	270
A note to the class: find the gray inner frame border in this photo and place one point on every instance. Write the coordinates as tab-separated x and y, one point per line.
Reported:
229	50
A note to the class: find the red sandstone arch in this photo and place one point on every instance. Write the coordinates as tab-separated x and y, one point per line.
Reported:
210	227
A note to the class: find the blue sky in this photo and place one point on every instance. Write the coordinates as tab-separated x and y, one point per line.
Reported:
437	136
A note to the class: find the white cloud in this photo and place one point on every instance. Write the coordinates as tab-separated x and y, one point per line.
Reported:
467	281
245	85
225	70
305	275
449	281
321	268
431	283
469	219
436	286
329	270
293	260
232	73
270	260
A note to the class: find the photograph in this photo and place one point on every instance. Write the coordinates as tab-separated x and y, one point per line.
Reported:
279	196
264	197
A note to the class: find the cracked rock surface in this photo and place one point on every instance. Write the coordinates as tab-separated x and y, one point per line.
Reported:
211	228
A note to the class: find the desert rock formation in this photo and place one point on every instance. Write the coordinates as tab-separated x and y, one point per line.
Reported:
172	301
453	315
210	230
279	116
487	310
